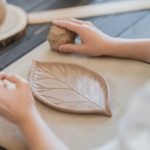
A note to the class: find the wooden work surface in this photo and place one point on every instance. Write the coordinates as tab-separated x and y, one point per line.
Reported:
79	132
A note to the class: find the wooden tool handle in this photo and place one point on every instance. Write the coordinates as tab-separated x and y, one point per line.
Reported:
88	11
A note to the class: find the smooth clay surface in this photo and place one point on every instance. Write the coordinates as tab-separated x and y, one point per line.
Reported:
3	11
58	36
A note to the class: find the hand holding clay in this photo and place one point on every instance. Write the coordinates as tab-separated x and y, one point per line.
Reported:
93	41
3	10
59	36
16	103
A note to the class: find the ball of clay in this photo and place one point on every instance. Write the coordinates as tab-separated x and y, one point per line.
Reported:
58	36
3	11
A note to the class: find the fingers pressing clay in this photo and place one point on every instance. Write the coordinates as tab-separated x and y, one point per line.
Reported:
68	24
59	36
80	22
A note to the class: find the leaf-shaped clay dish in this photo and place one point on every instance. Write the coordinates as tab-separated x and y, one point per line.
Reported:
69	88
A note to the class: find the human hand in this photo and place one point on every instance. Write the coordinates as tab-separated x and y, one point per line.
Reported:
16	103
93	41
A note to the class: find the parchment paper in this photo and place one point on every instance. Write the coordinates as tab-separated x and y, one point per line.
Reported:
80	132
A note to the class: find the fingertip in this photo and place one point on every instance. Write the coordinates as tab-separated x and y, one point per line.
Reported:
69	48
58	22
2	75
64	49
12	78
61	48
54	21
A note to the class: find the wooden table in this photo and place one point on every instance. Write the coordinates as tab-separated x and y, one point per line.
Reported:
79	132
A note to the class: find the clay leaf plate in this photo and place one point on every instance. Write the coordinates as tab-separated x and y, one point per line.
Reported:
69	88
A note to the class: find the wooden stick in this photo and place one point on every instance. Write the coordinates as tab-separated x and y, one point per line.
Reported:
88	11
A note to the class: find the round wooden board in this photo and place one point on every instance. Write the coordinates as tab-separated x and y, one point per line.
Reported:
14	25
70	88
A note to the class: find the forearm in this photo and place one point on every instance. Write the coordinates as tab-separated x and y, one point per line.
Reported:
39	136
134	49
25	114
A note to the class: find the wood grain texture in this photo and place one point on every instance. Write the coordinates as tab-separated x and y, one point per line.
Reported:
70	88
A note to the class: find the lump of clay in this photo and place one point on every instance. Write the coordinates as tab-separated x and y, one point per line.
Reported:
2	10
58	36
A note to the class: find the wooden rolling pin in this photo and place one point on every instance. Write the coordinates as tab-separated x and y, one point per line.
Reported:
88	11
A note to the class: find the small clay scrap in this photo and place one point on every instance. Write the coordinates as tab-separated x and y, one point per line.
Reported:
58	36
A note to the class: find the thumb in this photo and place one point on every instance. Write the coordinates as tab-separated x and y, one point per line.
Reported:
71	48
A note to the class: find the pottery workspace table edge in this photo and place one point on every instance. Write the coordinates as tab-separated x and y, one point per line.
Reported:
82	132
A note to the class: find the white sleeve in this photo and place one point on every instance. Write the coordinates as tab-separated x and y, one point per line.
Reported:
134	128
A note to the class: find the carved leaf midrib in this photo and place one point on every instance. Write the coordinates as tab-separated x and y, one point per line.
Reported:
66	83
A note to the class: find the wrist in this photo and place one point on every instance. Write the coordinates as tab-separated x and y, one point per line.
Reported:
28	119
110	46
